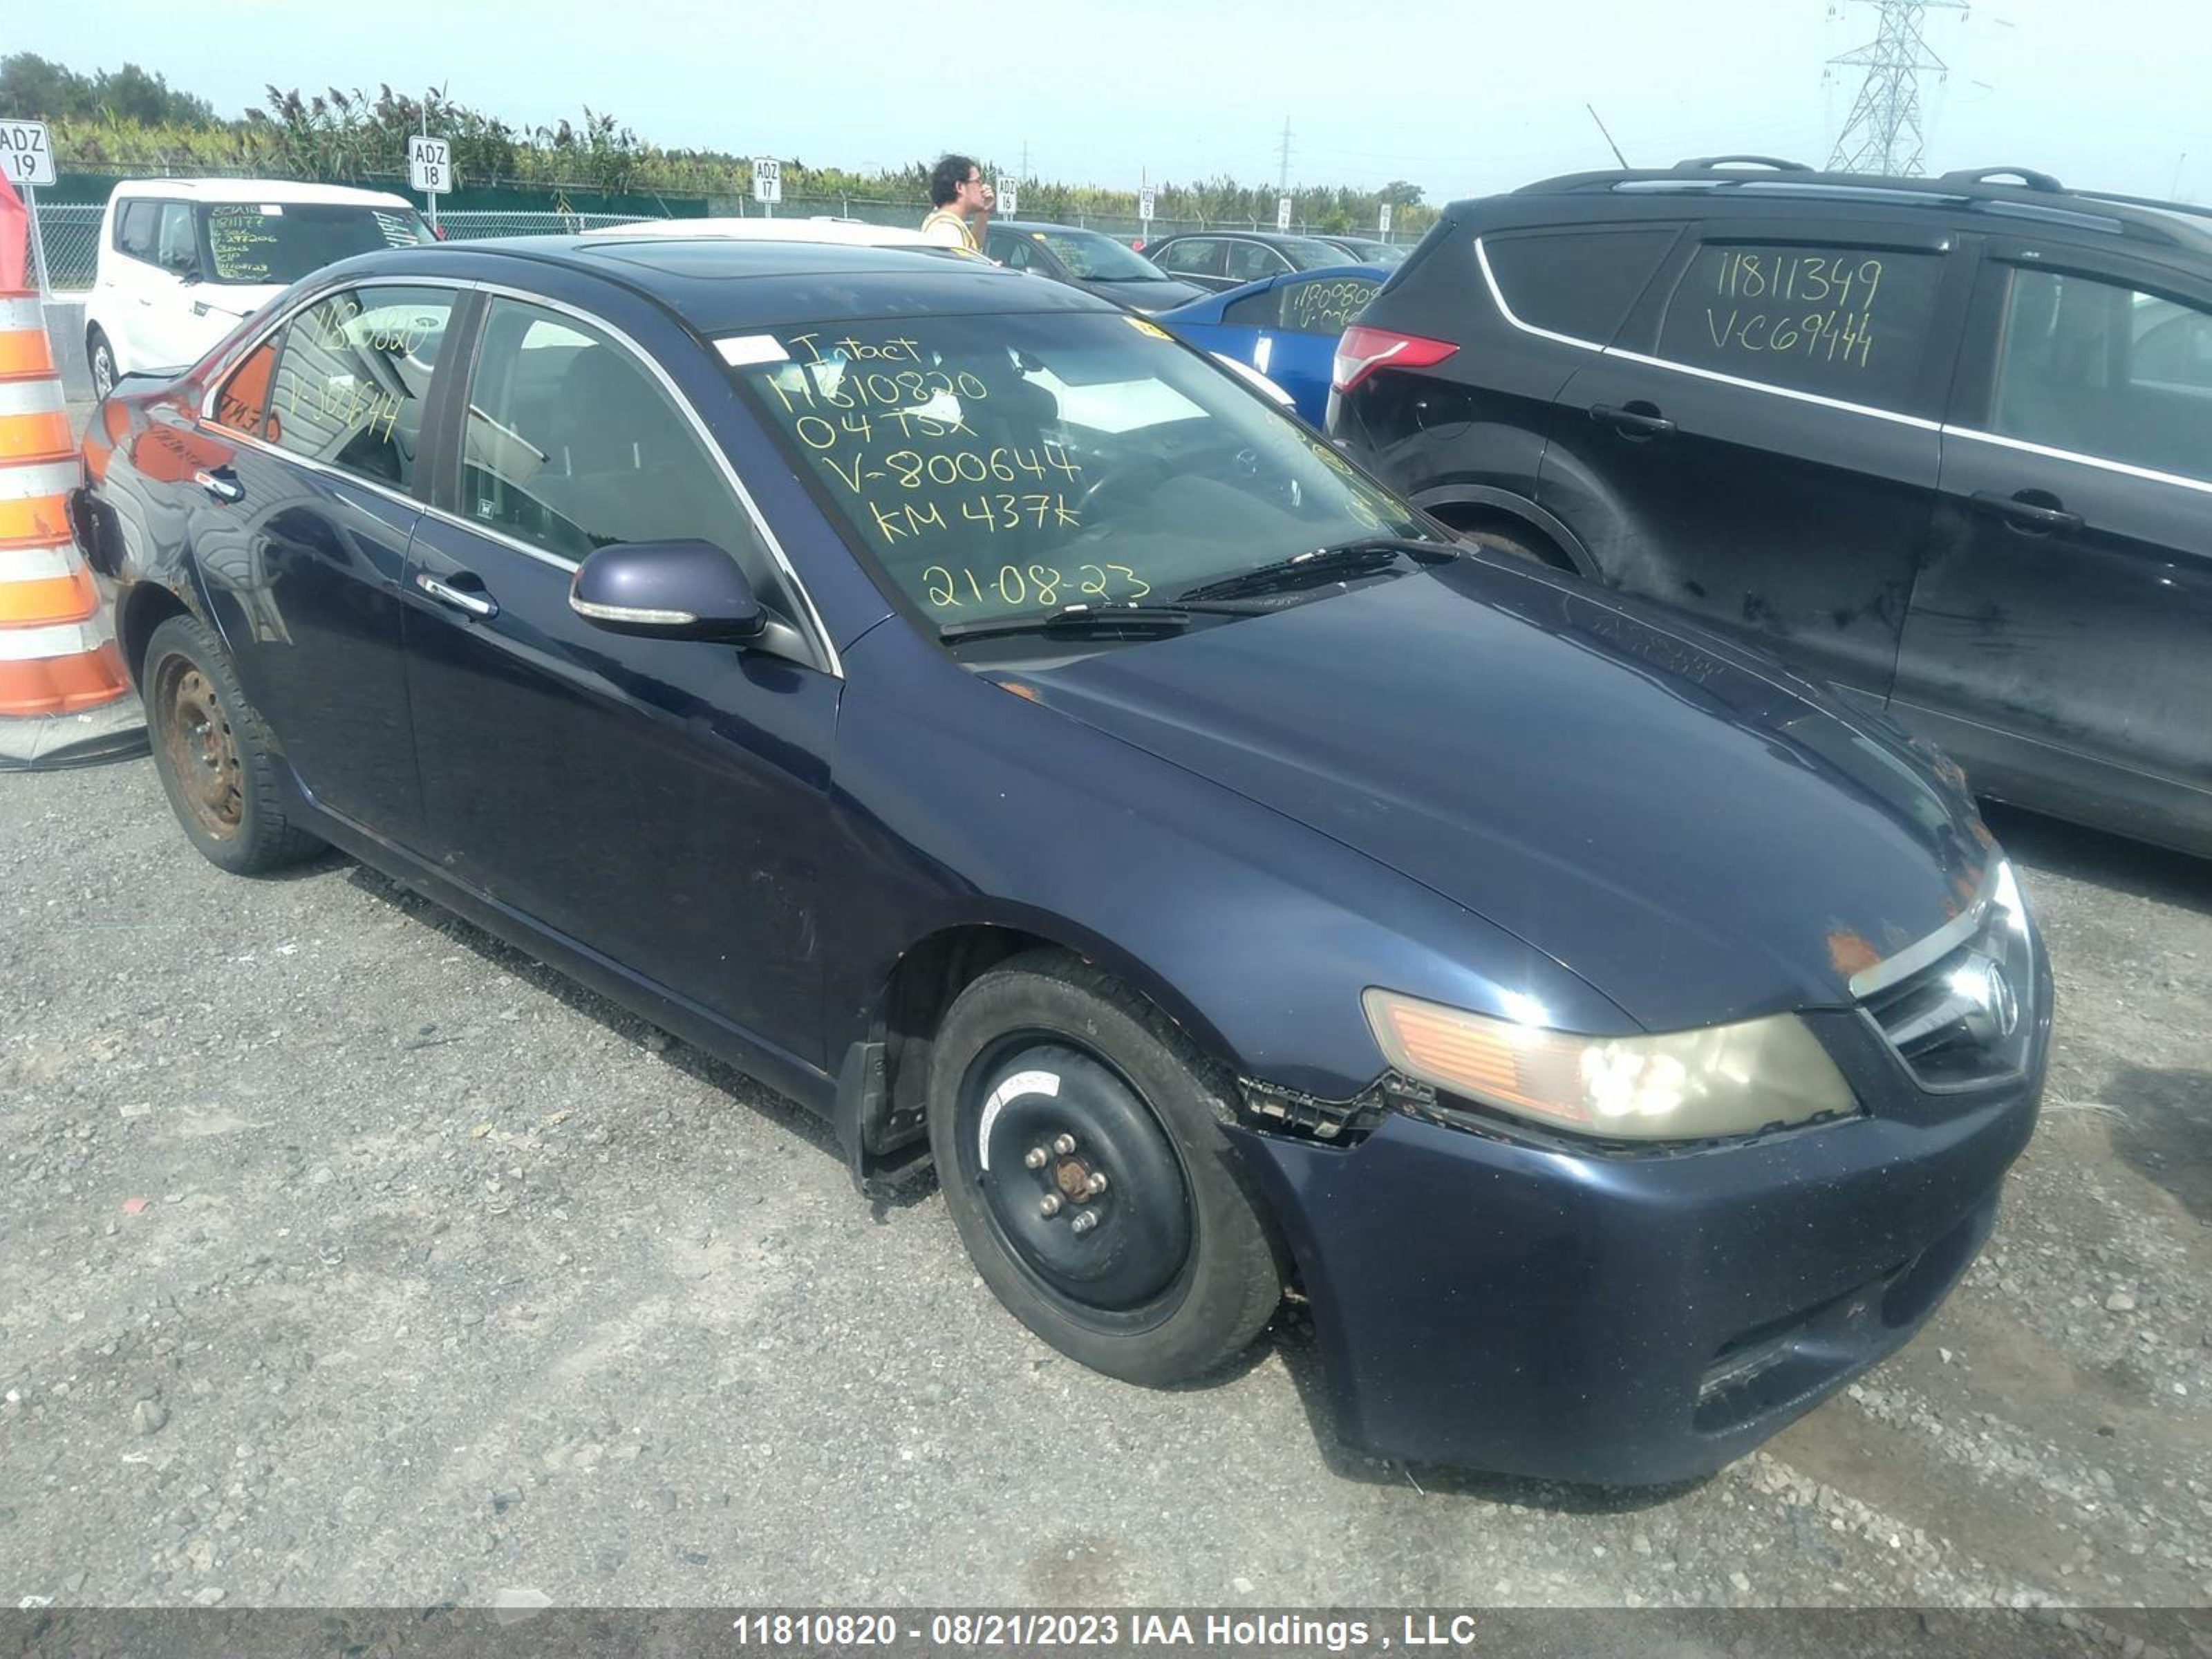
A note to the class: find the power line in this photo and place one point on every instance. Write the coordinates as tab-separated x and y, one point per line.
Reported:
1883	133
1283	174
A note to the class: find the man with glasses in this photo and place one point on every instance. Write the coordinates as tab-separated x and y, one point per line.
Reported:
961	203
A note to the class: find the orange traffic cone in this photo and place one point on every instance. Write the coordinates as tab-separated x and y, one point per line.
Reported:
63	697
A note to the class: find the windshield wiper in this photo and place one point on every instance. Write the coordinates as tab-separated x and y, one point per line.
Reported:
1368	555
1093	619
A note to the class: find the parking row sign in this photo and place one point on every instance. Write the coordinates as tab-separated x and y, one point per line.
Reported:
430	165
768	179
27	153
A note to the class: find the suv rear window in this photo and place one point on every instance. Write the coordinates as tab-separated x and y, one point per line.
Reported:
1577	282
280	242
1845	322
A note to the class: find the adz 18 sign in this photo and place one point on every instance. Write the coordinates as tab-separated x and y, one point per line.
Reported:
430	165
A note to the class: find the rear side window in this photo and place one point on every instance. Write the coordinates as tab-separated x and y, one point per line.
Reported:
1577	283
1846	322
1324	306
243	402
572	444
352	377
2103	369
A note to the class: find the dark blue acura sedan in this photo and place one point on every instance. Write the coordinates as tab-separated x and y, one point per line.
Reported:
977	714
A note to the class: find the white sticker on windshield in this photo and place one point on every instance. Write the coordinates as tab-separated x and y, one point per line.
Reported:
272	209
742	348
1020	1083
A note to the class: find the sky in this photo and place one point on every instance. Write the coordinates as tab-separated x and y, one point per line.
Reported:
1461	99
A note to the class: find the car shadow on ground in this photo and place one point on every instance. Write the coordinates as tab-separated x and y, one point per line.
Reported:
2104	860
2162	1127
640	1033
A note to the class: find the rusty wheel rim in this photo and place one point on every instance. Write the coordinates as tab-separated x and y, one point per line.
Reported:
201	751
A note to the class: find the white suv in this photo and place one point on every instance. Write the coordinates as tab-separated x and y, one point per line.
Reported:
181	260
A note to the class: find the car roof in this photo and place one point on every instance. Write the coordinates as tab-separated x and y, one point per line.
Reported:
853	233
722	285
1270	236
287	190
1762	184
1049	224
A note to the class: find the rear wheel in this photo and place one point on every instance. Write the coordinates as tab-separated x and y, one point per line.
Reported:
214	757
1078	1141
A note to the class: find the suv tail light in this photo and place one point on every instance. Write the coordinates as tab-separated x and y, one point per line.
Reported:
1363	350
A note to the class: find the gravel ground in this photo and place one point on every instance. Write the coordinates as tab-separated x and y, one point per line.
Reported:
348	1257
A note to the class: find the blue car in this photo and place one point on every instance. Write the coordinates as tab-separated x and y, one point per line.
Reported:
948	698
1285	327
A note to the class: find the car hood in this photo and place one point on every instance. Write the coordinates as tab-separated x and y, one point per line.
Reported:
1149	297
1681	823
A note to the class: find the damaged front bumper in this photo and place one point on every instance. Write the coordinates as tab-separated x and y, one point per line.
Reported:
1488	1301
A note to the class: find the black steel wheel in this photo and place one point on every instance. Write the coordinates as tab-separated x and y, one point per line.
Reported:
1078	1141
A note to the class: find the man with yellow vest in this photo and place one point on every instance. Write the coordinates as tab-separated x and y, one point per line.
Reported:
961	203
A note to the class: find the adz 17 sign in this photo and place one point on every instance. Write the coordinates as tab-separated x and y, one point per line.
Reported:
768	179
27	154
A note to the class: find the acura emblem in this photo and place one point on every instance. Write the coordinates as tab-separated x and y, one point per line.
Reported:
1996	1014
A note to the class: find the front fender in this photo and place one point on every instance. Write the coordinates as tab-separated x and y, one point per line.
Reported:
966	803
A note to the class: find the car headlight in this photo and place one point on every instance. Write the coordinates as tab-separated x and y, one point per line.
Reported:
1682	1085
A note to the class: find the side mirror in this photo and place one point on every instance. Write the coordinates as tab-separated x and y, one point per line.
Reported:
688	590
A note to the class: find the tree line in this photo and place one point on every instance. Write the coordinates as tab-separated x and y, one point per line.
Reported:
130	120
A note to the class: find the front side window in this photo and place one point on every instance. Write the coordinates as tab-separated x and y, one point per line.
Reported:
352	377
2107	370
1193	256
1849	323
996	465
134	230
1250	261
573	445
260	244
1577	283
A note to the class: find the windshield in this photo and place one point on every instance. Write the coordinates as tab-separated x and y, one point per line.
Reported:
280	242
1006	464
1309	253
1097	258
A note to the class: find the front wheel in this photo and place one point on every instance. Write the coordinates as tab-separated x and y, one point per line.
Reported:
1078	1137
102	356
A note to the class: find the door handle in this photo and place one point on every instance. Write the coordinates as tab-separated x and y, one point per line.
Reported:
221	483
475	605
2031	518
1638	419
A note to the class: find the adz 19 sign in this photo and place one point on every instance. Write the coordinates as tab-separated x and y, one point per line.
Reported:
430	165
27	154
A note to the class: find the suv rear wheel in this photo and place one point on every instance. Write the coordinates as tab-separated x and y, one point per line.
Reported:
1514	540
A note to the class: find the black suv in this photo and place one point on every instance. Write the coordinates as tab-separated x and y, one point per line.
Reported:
1944	443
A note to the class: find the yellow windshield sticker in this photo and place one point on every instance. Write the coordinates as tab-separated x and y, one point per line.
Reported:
1144	326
